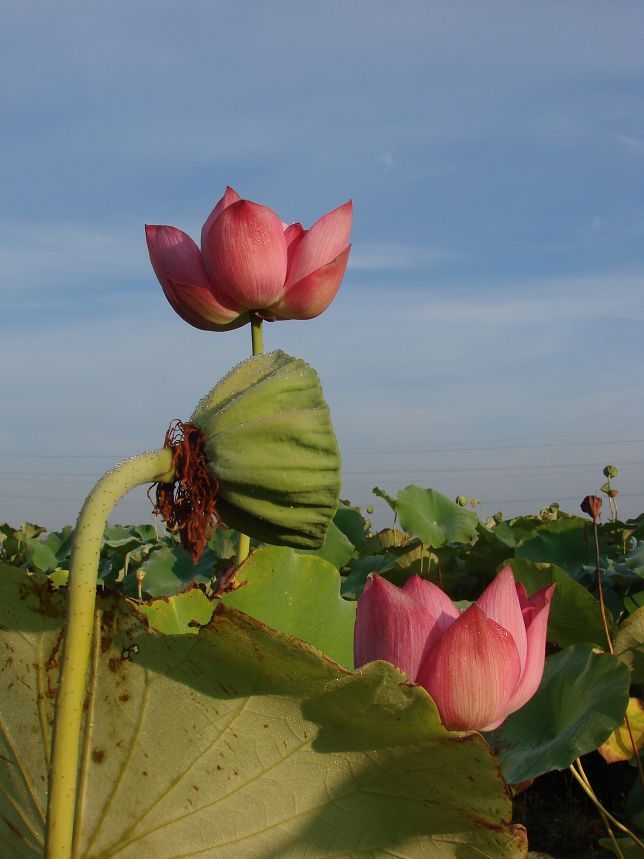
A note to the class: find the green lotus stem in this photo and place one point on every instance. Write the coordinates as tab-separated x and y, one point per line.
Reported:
582	779
611	649
79	632
257	335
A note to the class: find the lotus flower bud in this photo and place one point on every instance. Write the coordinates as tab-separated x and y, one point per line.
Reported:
478	666
592	505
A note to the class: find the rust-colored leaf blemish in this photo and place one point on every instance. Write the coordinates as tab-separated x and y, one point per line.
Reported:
113	664
125	696
14	829
98	756
53	660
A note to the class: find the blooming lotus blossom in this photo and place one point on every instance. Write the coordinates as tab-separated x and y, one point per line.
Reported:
478	666
250	261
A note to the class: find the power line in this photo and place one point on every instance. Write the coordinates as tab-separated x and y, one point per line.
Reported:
494	469
446	447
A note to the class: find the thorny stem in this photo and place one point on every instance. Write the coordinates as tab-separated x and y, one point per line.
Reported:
611	649
578	772
257	336
79	633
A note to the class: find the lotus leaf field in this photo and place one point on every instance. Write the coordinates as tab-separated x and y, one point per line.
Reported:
223	716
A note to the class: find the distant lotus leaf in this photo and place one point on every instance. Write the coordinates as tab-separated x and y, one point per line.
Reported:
629	644
434	518
575	614
238	742
271	447
618	747
567	542
352	523
337	548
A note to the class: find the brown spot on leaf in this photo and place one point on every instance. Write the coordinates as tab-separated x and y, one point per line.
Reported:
14	829
98	756
125	696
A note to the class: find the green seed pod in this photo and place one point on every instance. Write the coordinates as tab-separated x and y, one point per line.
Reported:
461	500
610	471
269	443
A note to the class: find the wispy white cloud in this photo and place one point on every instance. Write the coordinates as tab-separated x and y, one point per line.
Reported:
389	256
48	255
559	300
631	141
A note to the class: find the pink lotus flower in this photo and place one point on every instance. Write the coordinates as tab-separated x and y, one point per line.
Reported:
478	666
251	261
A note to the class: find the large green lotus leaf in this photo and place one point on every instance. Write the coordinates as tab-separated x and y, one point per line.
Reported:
575	614
629	644
359	571
238	742
433	517
582	699
297	594
271	447
179	614
628	848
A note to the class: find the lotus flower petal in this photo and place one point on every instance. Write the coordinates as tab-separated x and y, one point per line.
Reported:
536	616
323	243
312	295
471	672
177	263
292	235
390	625
436	603
245	255
500	602
230	196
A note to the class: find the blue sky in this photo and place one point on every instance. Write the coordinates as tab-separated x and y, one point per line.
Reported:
487	338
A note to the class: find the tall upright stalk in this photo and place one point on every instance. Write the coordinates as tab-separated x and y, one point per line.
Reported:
79	632
611	649
257	337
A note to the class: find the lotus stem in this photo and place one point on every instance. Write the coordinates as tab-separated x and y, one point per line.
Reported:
150	467
578	772
638	760
257	335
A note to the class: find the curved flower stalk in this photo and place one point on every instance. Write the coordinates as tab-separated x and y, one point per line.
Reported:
77	642
269	410
478	666
250	262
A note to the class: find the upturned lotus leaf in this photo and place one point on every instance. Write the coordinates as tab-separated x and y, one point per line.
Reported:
270	444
